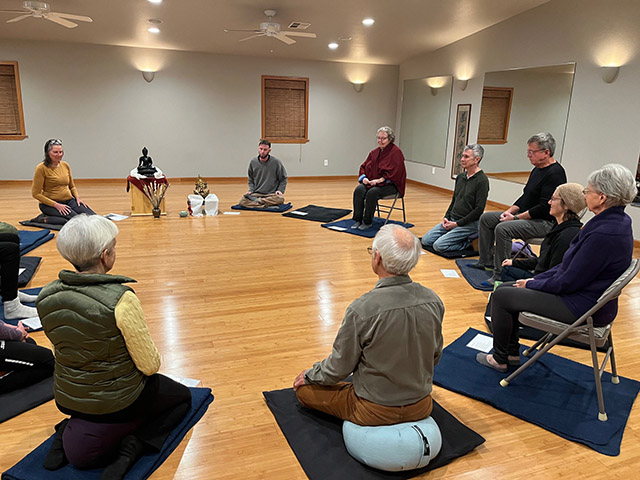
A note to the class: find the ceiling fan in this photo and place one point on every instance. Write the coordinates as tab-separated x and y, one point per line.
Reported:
43	10
272	29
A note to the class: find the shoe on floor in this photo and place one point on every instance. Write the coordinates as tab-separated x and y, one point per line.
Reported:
356	225
479	266
365	226
483	359
26	298
490	282
14	310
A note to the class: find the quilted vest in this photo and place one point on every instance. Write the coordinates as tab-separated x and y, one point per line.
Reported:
94	373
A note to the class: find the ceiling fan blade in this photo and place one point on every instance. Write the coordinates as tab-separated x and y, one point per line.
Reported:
60	21
13	11
283	38
69	16
17	19
299	34
227	30
252	36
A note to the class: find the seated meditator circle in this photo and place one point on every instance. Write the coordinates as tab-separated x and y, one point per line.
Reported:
393	448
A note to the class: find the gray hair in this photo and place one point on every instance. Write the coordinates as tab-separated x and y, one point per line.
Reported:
399	249
82	240
390	133
478	151
616	182
545	141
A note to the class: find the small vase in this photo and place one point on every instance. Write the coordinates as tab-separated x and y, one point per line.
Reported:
156	213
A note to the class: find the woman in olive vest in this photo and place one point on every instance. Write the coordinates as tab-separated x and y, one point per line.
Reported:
106	376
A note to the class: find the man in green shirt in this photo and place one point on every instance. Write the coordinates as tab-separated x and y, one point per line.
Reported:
468	202
390	340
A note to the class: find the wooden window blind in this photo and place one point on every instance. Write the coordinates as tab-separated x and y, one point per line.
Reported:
494	115
11	115
285	109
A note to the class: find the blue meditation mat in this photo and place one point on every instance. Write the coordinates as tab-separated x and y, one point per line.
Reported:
316	440
30	240
344	226
276	208
19	401
316	213
30	291
30	265
554	393
474	276
30	467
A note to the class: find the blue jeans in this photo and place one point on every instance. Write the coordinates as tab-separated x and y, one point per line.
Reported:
443	240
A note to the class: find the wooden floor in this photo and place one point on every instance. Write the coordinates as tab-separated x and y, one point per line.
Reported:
245	302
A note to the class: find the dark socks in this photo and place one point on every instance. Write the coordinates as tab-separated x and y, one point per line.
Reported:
130	451
56	458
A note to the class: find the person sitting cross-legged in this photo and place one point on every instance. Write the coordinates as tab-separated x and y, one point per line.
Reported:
390	340
468	202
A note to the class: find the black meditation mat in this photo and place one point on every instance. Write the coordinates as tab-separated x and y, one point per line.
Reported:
276	208
317	214
19	401
344	226
30	265
30	291
30	467
42	221
316	441
469	252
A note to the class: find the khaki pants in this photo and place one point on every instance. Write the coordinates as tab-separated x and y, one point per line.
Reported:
341	401
263	200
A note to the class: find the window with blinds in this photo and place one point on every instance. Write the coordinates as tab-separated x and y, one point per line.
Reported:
494	115
11	115
285	109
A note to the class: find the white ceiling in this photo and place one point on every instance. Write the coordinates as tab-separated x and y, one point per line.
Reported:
403	28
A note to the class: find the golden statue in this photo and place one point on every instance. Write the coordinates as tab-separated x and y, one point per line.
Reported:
201	187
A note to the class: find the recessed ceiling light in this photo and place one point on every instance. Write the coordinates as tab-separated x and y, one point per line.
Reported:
333	45
344	38
155	1
154	21
153	30
368	22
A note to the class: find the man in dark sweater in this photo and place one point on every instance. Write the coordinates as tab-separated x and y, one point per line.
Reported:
468	202
267	179
529	216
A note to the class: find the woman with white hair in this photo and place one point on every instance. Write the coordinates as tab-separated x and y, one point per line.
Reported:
106	367
383	173
597	256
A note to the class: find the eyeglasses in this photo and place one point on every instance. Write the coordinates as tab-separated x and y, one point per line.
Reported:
382	138
531	153
586	190
370	250
555	199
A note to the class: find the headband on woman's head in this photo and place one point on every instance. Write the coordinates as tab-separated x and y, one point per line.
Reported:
50	143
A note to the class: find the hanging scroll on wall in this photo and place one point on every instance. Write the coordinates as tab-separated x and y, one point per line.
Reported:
461	138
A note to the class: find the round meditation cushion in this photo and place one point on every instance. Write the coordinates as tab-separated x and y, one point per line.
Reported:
404	446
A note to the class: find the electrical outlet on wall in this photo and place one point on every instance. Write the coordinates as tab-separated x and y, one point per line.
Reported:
326	162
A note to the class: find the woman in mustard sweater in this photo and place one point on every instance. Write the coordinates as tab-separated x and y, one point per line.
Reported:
53	185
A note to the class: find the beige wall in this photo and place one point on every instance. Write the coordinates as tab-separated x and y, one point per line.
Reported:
200	115
604	119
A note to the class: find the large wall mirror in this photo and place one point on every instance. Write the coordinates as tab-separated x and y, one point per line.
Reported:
540	102
424	124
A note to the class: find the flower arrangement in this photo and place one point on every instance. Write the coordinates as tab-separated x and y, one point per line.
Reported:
155	192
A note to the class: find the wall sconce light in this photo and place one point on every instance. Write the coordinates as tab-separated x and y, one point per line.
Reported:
609	74
463	83
148	76
434	91
357	86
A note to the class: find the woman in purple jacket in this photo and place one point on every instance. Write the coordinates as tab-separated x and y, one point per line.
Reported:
598	255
